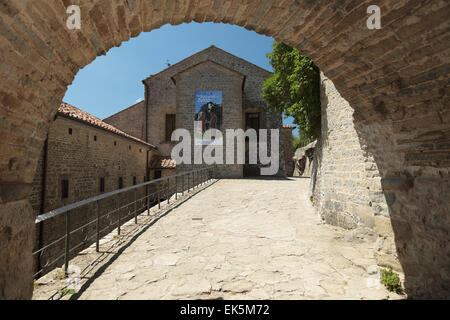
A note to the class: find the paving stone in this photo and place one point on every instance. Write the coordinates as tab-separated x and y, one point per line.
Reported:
239	254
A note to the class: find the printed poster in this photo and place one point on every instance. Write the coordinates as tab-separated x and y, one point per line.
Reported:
208	111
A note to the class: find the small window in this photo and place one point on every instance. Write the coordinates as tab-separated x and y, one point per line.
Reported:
170	126
115	143
134	181
70	131
95	138
129	147
157	174
145	179
64	189
102	184
120	183
140	150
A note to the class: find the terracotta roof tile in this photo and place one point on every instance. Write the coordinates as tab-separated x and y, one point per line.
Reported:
161	162
285	126
78	114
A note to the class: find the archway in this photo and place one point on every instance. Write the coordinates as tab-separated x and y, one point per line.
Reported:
395	78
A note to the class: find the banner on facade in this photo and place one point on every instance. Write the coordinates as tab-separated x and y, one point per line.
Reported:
208	113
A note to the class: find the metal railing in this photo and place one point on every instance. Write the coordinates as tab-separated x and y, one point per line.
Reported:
151	193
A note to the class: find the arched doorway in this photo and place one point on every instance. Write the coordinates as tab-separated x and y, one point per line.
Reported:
395	78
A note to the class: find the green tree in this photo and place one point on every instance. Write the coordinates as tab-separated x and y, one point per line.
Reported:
294	88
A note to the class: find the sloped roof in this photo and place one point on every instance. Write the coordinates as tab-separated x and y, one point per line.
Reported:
285	126
72	112
211	62
211	48
162	162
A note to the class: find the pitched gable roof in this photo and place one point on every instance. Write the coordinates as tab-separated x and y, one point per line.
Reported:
211	48
72	112
210	62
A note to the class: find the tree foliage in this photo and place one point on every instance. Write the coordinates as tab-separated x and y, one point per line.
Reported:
294	88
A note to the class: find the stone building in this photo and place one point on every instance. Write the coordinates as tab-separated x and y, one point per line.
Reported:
83	157
170	103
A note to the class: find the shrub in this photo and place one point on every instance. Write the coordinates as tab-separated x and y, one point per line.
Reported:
391	280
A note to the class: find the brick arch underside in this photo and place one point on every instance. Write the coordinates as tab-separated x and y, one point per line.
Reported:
396	80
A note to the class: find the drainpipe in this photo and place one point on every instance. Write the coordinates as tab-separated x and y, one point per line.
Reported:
146	109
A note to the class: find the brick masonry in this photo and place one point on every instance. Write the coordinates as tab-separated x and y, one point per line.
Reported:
396	79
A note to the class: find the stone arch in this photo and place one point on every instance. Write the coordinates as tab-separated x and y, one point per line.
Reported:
396	79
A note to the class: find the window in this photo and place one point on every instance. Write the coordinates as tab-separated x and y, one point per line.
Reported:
115	143
120	183
140	150
102	184
95	138
157	174
64	189
145	179
129	147
252	121
70	131
170	126
134	181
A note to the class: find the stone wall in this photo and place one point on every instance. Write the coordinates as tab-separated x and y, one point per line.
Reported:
346	178
209	76
163	97
288	150
351	188
81	160
130	120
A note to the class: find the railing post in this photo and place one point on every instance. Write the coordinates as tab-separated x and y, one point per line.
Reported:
135	209
97	242
67	256
176	188
147	192
118	213
157	191
168	190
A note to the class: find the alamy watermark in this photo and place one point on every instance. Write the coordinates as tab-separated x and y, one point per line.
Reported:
374	20
73	22
256	143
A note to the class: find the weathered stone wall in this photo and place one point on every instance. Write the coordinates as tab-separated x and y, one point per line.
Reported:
288	151
162	99
130	120
395	78
350	189
209	76
81	160
344	193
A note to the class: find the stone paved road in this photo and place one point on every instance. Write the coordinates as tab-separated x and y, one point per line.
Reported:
242	239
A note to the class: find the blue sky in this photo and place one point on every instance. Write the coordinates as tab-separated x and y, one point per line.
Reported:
113	82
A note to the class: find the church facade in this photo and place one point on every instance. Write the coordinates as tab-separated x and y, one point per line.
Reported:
85	156
230	87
